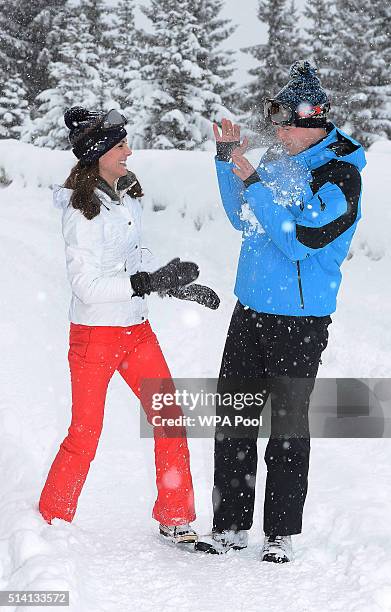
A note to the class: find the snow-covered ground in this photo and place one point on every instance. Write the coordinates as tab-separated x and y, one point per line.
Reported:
110	558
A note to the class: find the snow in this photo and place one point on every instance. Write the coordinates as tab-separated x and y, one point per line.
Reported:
111	558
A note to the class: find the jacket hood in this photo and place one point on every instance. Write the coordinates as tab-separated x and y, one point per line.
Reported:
61	196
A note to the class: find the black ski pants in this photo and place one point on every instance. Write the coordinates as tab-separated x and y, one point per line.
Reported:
272	355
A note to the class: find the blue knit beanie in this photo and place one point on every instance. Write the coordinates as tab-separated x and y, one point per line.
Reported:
89	140
302	92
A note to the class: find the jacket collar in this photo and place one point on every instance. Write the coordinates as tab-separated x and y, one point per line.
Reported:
121	186
335	145
105	188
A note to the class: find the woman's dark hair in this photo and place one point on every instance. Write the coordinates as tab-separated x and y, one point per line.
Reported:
83	180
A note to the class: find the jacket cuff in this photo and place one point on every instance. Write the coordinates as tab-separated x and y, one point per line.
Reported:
253	178
224	150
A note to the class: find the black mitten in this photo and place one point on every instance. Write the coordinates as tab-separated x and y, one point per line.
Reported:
197	293
175	274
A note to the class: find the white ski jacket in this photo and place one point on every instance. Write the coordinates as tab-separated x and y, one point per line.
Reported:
101	254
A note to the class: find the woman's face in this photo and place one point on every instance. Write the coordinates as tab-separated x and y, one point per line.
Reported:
112	164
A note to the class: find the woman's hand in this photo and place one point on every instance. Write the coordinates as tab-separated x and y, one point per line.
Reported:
195	293
175	274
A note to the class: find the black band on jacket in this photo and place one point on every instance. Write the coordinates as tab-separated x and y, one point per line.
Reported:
348	179
253	178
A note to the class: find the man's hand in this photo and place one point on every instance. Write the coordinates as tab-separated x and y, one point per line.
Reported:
229	140
243	167
230	132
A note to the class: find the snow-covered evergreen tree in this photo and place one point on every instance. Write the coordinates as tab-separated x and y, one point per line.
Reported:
319	34
172	69
379	90
361	57
176	99
217	63
321	45
30	23
294	48
124	75
98	17
13	47
13	105
13	96
74	80
274	58
40	52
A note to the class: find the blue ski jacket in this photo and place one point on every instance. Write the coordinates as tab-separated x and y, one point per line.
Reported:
297	223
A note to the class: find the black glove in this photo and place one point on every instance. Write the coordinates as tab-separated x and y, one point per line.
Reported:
224	149
175	274
196	293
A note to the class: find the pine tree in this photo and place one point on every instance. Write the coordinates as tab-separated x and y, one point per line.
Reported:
183	75
30	24
13	95
176	75
172	78
212	30
12	46
74	80
40	53
377	123
319	33
321	44
294	48
99	19
13	105
274	58
144	93
124	65
362	82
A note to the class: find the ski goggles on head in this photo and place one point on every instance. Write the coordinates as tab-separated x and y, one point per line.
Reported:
112	118
278	113
281	114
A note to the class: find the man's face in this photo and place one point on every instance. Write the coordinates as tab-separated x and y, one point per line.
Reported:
297	139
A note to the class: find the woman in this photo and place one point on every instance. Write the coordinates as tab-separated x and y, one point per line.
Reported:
109	327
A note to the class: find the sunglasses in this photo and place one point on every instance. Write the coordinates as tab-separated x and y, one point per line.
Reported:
280	114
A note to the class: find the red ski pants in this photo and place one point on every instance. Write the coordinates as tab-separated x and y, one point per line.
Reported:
95	353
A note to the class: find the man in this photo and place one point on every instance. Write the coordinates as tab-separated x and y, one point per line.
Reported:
298	212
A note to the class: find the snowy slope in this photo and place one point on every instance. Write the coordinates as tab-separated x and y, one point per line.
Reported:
110	557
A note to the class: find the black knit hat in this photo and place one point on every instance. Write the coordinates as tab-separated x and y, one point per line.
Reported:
87	136
303	91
